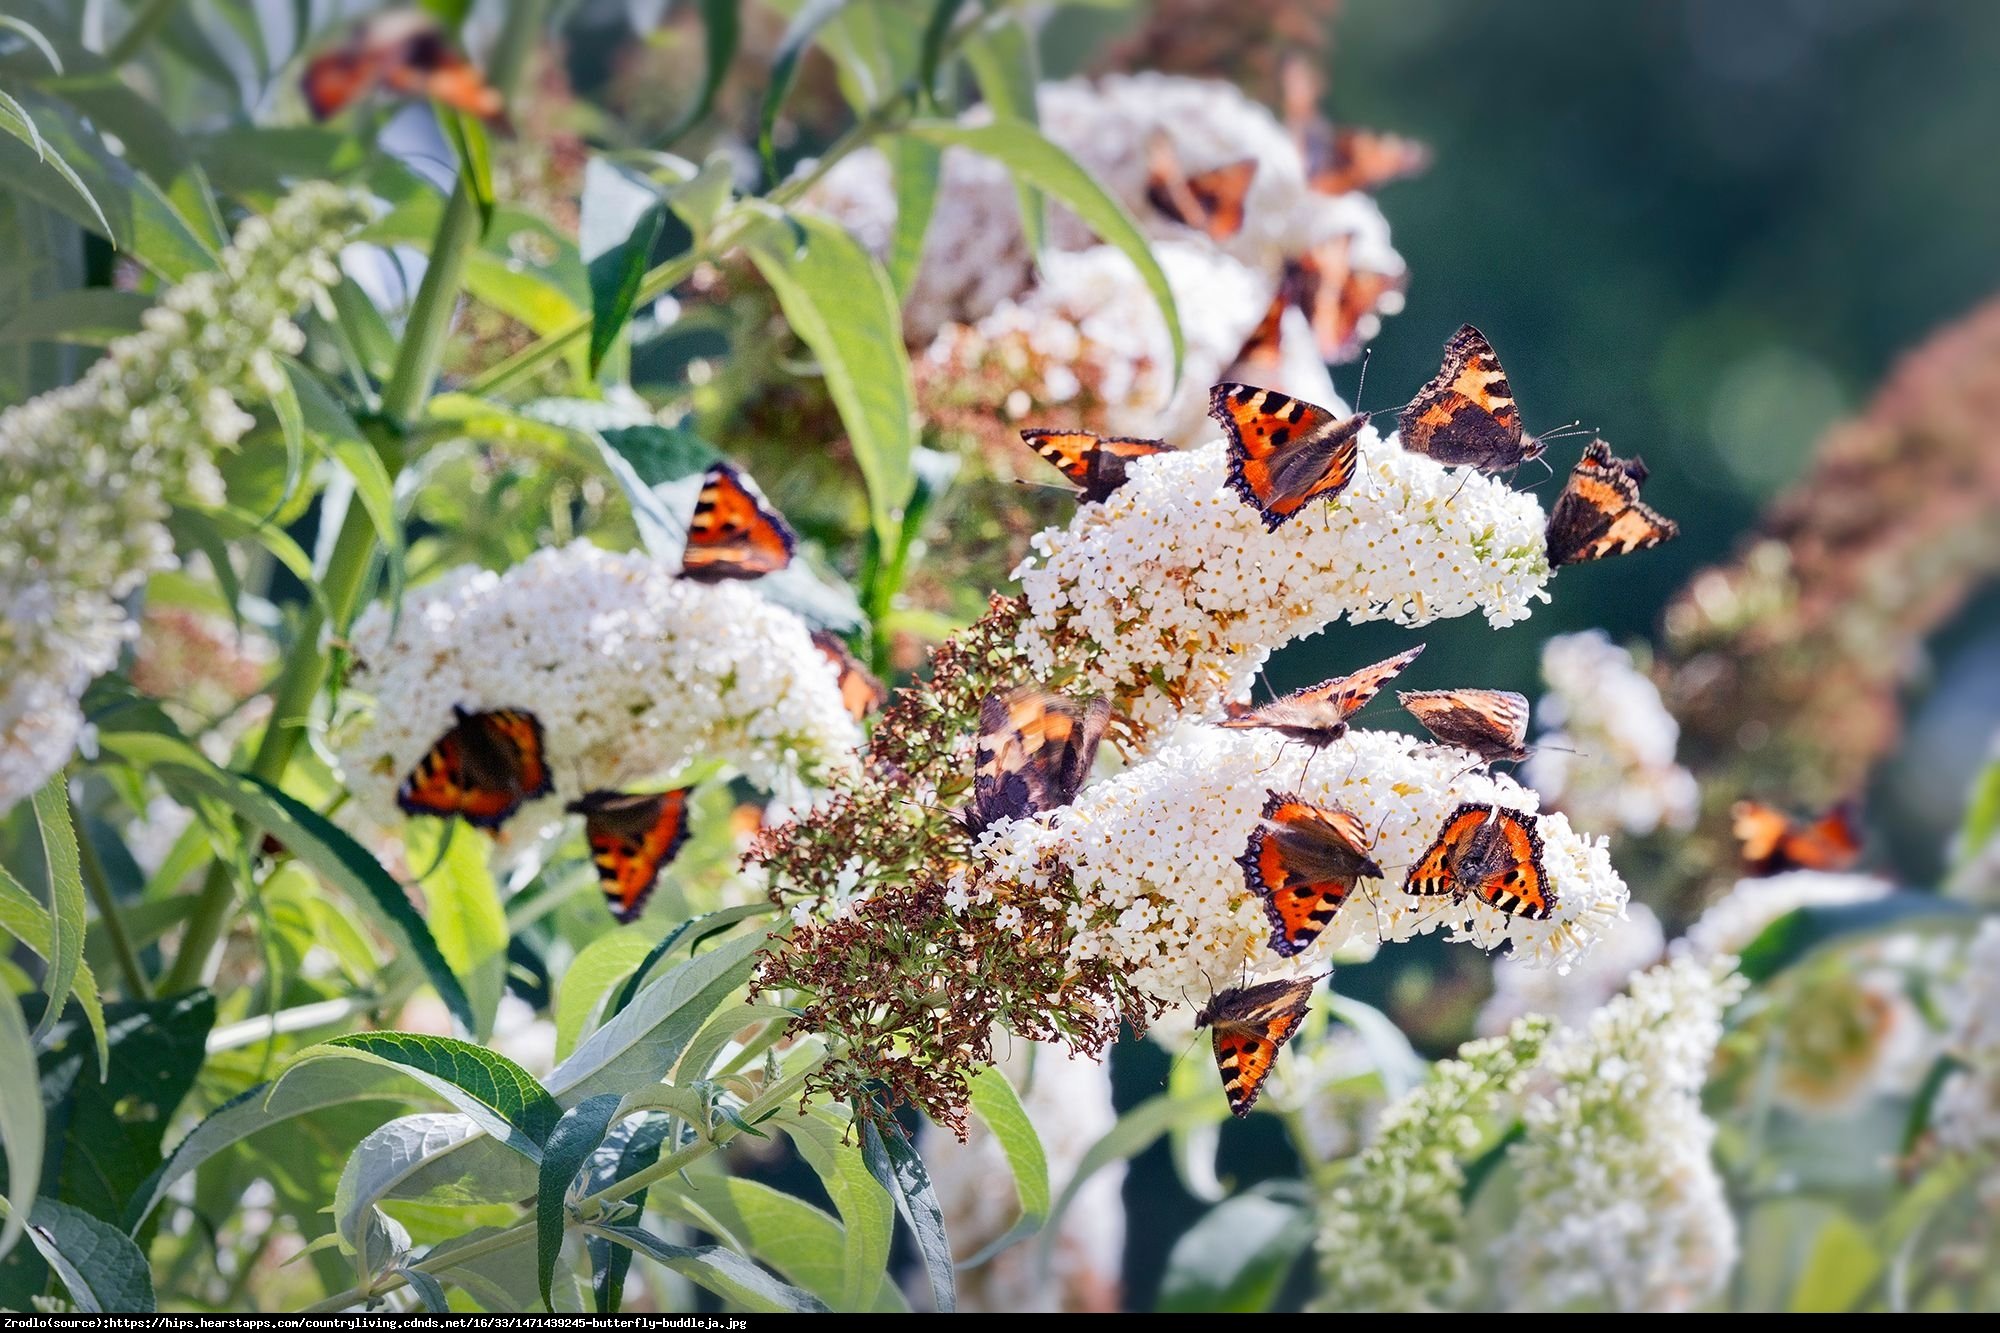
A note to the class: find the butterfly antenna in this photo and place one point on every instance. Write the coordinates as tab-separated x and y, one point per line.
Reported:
444	849
1461	486
1362	383
1049	486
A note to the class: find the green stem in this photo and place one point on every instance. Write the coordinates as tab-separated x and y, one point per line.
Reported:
144	24
95	880
354	549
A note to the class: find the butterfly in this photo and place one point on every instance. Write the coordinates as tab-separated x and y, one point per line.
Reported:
1095	463
1283	452
1336	299
1493	854
633	836
1599	512
1466	414
405	52
734	534
1317	716
1493	724
1773	842
1302	861
485	768
860	691
1035	750
1339	161
1210	201
1251	1024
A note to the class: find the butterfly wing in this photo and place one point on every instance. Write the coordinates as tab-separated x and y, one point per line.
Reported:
1336	296
1034	751
1357	159
1302	861
334	80
1318	715
860	690
1493	724
1210	201
1251	1026
1095	464
1599	512
633	836
734	534
1436	872
1513	879
1466	414
1283	453
484	769
1770	842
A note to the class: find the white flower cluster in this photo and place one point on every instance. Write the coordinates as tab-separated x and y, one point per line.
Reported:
1068	1099
1967	1115
1606	753
1153	855
1172	593
87	472
1520	989
634	673
1618	1202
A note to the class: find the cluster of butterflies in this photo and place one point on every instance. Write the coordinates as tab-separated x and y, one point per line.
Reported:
492	762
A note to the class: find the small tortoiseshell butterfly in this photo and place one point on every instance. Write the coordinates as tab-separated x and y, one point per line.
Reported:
1302	861
1493	724
405	52
1035	750
1774	842
1491	853
1336	296
1343	160
734	534
1251	1025
485	768
1599	512
859	689
633	836
1317	716
1283	453
1466	414
1210	201
1094	463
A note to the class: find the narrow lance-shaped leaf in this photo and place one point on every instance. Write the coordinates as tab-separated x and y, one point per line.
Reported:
24	917
504	1099
623	215
720	31
68	908
792	47
995	1102
724	1272
575	1137
1003	61
628	1148
893	1161
914	166
21	1125
103	1271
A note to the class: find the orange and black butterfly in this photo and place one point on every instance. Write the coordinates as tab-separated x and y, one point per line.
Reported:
1773	841
1251	1025
1302	861
1493	724
633	836
1466	414
1284	453
859	689
1210	201
1035	750
1599	512
1095	463
485	768
1337	296
734	534
408	54
1342	160
1317	716
1490	853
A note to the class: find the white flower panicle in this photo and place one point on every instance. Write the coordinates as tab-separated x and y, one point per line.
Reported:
1606	753
1172	593
87	472
1967	1115
1153	855
1619	1205
1731	922
1519	988
633	672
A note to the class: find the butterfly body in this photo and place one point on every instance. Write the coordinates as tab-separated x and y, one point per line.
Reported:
1599	512
860	691
633	836
1302	861
484	769
1774	842
1466	414
1492	724
1491	853
1250	1025
1095	464
734	534
1283	452
406	53
1210	201
1318	716
1034	752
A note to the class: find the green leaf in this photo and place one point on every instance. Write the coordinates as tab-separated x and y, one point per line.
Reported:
103	1271
623	215
690	933
24	917
309	835
806	1245
1924	1101
69	909
792	46
1003	62
334	429
20	1118
475	160
724	1272
931	57
660	454
1032	158
1236	1258
841	305
1982	815
824	1138
894	1162
430	1292
227	523
631	1146
720	31
586	985
14	118
1842	1267
499	1096
466	919
995	1102
1135	1131
703	1051
90	317
1801	933
397	1161
914	166
575	1137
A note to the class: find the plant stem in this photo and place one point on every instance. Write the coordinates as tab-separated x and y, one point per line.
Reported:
354	549
143	25
99	885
